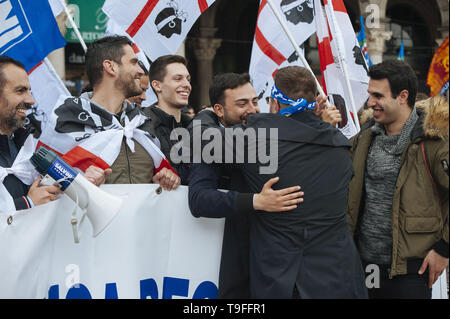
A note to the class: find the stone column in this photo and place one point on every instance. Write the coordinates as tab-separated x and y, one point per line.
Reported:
375	44
205	51
374	12
205	47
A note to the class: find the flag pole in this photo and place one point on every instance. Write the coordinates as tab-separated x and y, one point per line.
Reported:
296	47
343	62
74	26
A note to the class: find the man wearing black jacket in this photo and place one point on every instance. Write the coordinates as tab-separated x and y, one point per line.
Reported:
233	99
170	80
15	99
310	248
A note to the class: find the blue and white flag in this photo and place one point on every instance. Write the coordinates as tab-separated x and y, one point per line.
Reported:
361	36
28	31
401	53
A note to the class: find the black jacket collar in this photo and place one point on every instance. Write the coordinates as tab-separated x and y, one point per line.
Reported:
164	119
303	127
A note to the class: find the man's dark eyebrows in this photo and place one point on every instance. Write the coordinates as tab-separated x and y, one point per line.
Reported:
21	87
376	93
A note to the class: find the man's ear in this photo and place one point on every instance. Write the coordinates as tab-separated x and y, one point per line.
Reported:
110	67
403	97
274	106
156	85
218	108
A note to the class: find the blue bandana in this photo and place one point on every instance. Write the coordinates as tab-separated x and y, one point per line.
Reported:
295	106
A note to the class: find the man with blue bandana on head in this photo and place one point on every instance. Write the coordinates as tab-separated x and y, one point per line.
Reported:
307	252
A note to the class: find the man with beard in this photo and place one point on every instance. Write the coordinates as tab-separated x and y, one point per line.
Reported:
15	99
145	83
114	73
233	99
307	250
170	80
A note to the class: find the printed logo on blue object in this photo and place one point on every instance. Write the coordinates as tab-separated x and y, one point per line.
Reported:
14	24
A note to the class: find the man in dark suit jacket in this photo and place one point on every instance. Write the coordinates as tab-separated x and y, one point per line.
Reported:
310	247
233	99
15	99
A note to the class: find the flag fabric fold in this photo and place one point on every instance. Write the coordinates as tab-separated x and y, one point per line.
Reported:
29	31
158	27
401	52
437	78
272	49
339	49
362	40
47	89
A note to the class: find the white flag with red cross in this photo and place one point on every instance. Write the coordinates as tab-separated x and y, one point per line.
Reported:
333	80
272	49
157	26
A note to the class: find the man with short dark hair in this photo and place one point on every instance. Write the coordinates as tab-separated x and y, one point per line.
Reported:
399	219
15	100
170	80
113	70
233	99
308	251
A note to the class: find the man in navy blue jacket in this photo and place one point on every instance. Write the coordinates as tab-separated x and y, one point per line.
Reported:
15	99
308	249
233	99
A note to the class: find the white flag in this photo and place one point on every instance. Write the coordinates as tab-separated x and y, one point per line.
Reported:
157	26
272	49
47	89
332	73
352	54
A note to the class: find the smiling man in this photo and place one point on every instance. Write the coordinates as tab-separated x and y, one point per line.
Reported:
399	223
170	80
113	70
15	100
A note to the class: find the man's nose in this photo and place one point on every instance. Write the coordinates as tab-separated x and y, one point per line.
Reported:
29	99
252	109
371	102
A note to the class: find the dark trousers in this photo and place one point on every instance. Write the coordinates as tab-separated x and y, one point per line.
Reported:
409	286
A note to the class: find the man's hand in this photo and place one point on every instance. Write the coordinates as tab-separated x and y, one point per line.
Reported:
331	115
320	105
436	265
96	175
282	200
167	179
42	194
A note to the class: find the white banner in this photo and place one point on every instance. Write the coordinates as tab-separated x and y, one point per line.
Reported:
154	248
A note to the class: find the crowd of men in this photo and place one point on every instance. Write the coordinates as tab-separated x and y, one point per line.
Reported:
306	229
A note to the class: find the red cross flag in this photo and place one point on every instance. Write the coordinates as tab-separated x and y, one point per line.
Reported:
272	49
341	59
157	26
